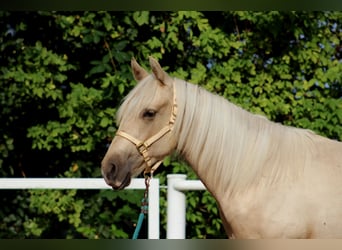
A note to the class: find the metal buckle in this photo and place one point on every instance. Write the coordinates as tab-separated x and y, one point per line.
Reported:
142	148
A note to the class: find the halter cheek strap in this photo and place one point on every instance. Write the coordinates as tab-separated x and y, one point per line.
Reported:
143	146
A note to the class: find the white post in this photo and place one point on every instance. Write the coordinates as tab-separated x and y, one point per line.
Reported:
175	208
153	209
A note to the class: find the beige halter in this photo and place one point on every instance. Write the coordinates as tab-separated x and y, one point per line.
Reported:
143	146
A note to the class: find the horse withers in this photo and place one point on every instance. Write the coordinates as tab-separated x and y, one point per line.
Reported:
269	180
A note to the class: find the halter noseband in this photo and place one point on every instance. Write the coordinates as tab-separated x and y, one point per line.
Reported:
143	146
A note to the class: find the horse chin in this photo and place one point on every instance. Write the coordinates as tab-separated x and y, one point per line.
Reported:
126	181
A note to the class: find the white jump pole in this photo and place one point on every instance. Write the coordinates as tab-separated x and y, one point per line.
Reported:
189	185
175	208
92	183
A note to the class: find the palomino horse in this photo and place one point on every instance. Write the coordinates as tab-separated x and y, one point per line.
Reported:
270	180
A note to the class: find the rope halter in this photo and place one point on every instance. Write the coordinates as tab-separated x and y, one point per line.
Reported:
143	146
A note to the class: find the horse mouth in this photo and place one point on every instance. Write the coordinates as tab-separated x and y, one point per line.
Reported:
124	183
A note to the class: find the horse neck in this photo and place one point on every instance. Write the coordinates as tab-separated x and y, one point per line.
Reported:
221	141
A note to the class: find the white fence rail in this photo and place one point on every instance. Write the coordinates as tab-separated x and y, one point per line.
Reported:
176	204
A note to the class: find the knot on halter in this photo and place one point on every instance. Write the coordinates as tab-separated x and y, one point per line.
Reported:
143	146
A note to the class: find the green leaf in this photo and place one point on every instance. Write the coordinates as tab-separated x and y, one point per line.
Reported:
141	17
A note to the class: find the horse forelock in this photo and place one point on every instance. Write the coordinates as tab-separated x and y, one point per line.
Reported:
139	96
233	148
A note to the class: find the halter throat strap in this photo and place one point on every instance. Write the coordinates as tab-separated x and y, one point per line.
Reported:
143	146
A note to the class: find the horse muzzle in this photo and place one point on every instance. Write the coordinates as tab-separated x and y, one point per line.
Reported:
116	178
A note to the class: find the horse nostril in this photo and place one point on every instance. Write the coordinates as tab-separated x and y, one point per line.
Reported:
109	170
112	171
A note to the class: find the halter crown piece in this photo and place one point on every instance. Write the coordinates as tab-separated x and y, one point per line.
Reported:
143	146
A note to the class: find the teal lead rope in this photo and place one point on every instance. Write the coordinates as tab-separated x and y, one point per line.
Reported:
144	209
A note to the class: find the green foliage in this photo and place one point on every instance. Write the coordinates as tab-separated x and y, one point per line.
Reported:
64	74
69	214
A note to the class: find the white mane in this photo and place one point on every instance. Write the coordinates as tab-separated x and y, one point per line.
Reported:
233	147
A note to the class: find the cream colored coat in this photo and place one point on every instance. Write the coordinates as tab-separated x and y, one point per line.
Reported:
270	180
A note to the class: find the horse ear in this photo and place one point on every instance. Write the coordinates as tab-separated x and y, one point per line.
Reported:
139	72
158	72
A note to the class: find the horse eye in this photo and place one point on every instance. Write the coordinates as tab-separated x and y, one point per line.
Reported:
149	113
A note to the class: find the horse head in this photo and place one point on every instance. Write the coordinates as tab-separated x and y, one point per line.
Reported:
146	119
